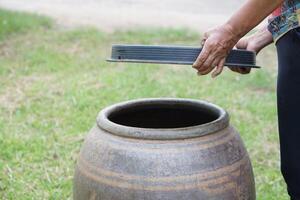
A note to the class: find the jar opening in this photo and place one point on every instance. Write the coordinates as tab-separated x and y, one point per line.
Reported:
163	119
163	116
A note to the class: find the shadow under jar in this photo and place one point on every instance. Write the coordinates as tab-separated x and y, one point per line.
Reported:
163	149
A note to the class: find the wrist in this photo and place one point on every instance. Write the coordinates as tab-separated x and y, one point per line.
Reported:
231	32
237	30
260	39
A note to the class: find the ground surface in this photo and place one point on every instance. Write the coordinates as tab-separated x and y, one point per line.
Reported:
116	14
54	81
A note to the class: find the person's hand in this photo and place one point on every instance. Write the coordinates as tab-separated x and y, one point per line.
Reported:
255	43
249	44
217	44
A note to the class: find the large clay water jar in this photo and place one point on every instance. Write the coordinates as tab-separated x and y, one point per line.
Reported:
163	149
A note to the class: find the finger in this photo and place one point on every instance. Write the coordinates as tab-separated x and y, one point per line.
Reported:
206	71
219	68
205	37
207	64
216	62
241	70
234	69
210	68
242	44
201	58
245	70
203	41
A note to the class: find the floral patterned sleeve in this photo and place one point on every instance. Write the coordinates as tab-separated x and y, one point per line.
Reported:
284	18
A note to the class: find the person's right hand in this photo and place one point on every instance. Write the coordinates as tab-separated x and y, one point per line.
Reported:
255	43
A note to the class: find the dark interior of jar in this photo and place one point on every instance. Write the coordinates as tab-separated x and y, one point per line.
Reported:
163	116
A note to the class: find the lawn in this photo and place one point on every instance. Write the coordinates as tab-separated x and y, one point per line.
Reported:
54	81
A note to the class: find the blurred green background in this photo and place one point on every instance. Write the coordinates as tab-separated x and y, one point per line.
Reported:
54	81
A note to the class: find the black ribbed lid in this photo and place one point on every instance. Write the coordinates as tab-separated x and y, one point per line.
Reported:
183	55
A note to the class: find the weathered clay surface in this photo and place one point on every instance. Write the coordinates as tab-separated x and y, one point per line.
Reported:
203	162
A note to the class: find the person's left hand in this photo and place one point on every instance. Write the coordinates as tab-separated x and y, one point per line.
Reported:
217	44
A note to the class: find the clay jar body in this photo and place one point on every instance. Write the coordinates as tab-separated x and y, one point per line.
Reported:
163	149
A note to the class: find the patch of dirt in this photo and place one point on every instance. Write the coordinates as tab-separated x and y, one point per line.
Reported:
119	14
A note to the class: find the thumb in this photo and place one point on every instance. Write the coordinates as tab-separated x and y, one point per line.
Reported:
242	43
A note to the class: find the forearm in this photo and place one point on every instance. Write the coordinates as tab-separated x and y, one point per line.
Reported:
250	15
218	42
261	38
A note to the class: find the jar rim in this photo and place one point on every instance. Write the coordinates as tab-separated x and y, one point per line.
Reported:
221	122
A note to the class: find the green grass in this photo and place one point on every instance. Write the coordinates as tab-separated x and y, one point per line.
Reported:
54	82
18	22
